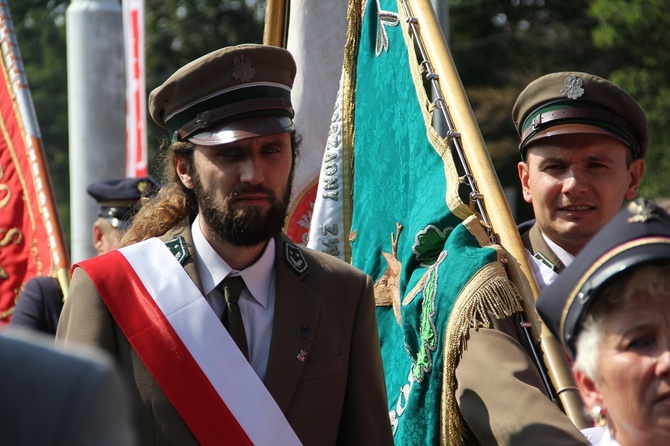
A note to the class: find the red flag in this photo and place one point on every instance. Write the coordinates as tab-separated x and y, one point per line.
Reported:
31	241
136	138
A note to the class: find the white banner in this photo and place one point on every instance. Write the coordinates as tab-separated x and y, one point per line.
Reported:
327	226
316	37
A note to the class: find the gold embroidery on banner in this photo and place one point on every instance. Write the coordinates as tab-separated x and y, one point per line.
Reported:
489	294
10	236
5	195
387	288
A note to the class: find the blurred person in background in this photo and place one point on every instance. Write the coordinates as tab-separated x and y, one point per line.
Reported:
57	396
41	301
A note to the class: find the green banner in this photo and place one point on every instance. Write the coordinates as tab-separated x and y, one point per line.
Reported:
423	247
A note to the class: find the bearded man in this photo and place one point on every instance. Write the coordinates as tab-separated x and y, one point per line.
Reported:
229	332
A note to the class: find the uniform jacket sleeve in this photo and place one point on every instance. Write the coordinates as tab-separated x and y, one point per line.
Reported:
39	305
365	416
501	395
71	397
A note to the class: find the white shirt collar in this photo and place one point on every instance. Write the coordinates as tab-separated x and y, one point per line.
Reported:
213	269
599	435
561	253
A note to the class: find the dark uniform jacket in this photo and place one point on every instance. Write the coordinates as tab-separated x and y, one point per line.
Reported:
336	396
39	305
52	397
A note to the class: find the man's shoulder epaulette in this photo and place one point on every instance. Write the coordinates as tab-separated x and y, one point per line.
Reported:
178	248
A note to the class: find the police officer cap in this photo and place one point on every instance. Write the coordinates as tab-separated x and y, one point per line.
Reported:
638	235
581	103
227	95
118	198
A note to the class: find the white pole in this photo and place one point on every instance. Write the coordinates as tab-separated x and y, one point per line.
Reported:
96	108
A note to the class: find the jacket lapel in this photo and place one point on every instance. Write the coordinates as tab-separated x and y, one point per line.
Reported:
535	243
295	323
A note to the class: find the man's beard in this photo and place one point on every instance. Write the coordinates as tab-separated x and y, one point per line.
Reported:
247	226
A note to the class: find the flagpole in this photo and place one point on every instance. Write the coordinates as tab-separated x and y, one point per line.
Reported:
276	23
489	193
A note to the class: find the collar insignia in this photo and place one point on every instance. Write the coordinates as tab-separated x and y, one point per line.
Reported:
294	258
178	248
242	69
545	260
573	87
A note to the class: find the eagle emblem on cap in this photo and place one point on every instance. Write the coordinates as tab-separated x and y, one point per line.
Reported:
143	186
641	210
242	69
573	87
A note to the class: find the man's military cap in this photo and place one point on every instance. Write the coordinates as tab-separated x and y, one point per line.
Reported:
572	102
638	235
118	198
230	94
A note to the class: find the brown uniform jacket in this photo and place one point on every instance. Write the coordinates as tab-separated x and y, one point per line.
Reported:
336	396
500	392
501	395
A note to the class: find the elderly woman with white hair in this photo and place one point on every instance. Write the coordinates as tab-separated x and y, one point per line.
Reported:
611	310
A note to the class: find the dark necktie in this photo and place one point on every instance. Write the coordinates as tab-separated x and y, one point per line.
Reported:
231	288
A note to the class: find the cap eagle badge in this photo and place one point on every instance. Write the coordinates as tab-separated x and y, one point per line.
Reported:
573	87
243	71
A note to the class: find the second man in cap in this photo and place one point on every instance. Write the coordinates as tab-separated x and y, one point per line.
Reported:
583	142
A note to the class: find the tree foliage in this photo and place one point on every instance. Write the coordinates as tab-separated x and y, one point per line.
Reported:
40	31
177	31
635	34
498	47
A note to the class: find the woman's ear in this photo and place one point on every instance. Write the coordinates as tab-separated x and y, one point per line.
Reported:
589	390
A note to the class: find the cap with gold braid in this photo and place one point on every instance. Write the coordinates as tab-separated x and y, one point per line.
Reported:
230	94
637	235
579	103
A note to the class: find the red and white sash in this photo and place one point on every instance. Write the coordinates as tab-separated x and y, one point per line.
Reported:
186	348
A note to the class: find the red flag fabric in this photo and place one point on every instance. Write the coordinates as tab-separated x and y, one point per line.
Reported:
31	242
136	133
